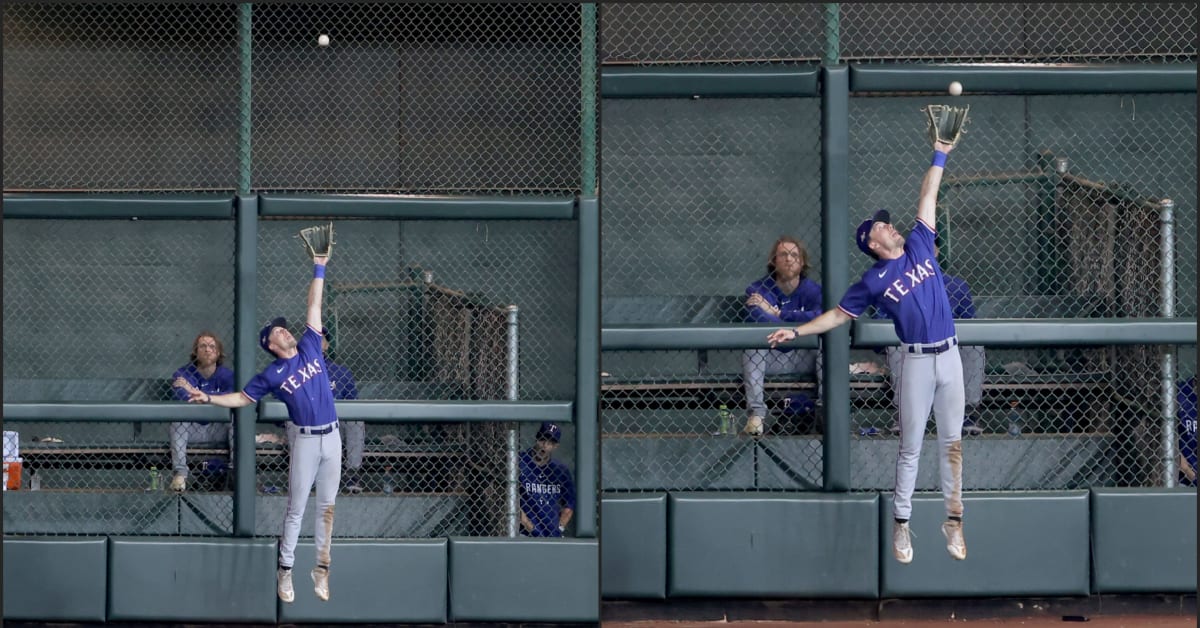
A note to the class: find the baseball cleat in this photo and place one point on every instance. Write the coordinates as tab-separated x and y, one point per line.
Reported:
902	542
284	577
754	426
178	483
955	543
321	583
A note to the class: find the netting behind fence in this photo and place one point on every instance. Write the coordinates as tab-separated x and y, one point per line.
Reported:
414	97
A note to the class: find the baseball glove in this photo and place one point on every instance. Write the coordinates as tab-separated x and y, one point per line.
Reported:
318	241
945	123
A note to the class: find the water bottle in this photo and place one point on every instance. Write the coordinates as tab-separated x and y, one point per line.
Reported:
1014	421
388	483
155	481
726	418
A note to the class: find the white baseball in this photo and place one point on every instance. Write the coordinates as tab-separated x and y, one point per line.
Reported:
323	40
955	88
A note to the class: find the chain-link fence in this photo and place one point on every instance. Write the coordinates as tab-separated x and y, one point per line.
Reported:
412	97
1017	32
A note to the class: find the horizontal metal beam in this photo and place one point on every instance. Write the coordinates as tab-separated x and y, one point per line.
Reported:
396	206
708	81
666	337
1024	332
436	411
148	412
1025	78
125	206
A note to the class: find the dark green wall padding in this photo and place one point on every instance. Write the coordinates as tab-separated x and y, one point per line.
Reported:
373	582
55	579
633	545
174	579
528	580
805	545
1018	544
1143	540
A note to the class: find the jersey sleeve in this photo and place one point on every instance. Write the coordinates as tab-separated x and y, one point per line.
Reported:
856	299
920	240
755	314
257	388
310	341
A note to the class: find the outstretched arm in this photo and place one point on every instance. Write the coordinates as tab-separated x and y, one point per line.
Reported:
316	293
927	203
231	400
819	325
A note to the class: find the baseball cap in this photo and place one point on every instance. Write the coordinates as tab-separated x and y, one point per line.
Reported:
264	336
549	431
863	236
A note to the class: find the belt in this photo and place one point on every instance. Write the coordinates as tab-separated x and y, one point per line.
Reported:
934	348
317	430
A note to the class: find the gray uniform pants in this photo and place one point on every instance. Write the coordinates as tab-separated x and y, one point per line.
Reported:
355	435
930	382
183	433
314	459
758	363
974	358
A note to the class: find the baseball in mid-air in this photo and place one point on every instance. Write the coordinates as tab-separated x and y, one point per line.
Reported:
323	40
955	88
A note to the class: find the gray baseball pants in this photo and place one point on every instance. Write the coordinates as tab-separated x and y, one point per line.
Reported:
183	433
930	382
974	358
758	363
314	459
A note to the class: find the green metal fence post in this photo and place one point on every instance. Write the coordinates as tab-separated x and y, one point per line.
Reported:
833	26
245	41
835	234
245	341
587	330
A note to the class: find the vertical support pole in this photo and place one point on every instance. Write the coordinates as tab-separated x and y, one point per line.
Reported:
587	368
835	233
512	470
833	33
245	40
245	341
587	85
1170	440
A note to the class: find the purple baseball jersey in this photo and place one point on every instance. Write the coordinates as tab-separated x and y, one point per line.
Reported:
220	383
545	490
301	383
802	305
909	289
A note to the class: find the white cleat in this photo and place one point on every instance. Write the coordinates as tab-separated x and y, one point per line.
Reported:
178	483
284	588
754	426
321	583
902	542
955	543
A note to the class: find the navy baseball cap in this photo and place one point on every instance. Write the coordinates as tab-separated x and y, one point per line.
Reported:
264	336
863	236
549	431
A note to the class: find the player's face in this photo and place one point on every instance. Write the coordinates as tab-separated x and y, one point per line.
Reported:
543	448
788	264
206	351
283	338
887	236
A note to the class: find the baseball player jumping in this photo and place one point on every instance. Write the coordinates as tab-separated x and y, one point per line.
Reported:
906	282
299	378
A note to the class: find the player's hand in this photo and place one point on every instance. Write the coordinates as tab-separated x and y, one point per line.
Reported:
321	260
182	383
196	396
781	335
943	147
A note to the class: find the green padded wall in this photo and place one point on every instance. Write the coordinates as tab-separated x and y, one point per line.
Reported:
390	581
633	546
1143	540
773	545
1018	544
527	580
76	567
191	580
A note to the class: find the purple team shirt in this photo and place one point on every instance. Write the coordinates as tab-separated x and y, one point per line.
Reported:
301	383
220	383
801	306
909	289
